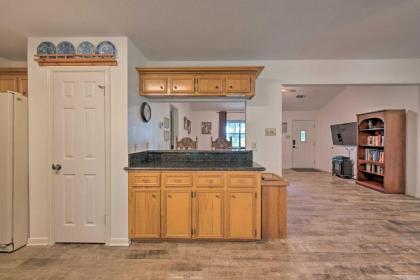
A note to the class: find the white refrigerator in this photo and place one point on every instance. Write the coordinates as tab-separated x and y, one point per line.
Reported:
14	191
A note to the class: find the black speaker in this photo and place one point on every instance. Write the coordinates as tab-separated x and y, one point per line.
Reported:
342	167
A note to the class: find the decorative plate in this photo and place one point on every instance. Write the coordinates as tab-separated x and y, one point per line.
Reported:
65	47
106	47
46	47
85	48
145	112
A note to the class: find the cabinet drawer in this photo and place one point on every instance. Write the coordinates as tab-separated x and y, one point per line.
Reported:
242	180
154	84
238	83
182	84
210	84
177	179
144	179
216	180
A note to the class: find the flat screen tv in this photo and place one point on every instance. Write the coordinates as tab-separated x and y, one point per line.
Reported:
344	134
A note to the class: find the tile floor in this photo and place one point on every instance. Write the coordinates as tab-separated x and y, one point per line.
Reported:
337	230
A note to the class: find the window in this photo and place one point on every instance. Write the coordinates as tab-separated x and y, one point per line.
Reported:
303	136
236	130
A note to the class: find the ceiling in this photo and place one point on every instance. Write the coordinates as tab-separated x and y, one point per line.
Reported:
238	106
315	97
224	30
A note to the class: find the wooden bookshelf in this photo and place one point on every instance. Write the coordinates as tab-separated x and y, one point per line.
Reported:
381	150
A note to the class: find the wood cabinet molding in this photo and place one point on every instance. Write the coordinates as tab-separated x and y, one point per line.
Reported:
14	79
235	81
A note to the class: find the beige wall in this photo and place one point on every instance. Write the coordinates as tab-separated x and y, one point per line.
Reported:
11	63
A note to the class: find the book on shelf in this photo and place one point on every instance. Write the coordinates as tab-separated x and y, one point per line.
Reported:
374	168
375	155
378	140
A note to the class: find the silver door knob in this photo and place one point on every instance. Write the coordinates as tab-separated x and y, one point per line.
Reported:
56	167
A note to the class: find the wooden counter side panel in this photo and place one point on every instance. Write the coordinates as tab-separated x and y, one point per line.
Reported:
274	212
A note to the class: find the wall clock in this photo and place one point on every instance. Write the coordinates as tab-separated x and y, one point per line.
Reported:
145	112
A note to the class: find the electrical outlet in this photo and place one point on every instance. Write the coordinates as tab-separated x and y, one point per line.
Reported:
270	132
253	146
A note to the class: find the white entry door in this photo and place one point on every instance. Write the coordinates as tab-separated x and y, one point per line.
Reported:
79	156
303	144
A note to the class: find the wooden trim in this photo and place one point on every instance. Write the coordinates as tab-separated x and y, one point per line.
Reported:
11	70
198	70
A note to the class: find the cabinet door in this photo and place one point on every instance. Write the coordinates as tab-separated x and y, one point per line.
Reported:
238	83
241	214
208	210
210	84
176	214
8	83
182	84
23	85
154	84
144	213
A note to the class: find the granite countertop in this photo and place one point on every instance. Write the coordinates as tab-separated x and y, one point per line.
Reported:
193	160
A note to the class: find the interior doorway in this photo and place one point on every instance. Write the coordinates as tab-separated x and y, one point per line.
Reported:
174	122
303	144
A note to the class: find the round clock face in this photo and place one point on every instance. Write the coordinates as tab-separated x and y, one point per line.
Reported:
145	112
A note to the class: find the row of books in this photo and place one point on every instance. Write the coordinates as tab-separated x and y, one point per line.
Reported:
374	168
378	140
374	155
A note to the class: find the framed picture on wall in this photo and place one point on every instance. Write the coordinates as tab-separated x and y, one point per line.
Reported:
166	122
205	127
189	126
166	135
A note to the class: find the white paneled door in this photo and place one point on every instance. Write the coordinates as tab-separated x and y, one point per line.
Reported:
303	144
79	156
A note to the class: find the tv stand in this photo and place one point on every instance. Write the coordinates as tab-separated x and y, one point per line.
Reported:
342	167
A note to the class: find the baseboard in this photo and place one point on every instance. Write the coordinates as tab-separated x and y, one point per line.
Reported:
38	241
123	242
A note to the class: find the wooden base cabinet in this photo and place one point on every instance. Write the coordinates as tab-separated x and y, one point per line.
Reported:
144	213
198	205
176	210
208	210
241	214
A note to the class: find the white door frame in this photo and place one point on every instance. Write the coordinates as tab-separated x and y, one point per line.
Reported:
50	81
315	144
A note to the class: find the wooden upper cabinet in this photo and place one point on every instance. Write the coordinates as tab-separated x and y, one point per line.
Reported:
198	81
210	84
154	84
8	83
182	84
14	79
23	85
238	83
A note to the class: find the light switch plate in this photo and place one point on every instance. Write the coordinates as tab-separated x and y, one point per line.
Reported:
270	132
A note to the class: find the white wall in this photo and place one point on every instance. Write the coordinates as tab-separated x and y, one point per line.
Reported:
289	117
39	147
12	63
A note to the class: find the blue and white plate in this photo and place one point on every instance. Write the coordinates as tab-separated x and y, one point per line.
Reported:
65	48
106	47
46	47
85	48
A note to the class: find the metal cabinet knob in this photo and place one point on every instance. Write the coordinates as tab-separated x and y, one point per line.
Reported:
56	167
